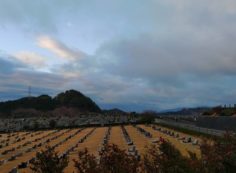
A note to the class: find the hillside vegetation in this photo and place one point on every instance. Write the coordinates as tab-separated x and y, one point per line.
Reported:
68	99
221	111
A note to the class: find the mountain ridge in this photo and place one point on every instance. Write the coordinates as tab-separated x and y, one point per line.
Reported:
70	99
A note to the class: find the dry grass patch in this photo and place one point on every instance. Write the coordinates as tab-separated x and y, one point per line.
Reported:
117	138
182	147
139	140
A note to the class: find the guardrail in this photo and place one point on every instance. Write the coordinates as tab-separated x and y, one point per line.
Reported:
192	127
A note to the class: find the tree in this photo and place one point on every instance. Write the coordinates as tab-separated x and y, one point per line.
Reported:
219	156
115	160
148	117
48	161
165	159
52	124
112	160
35	125
87	163
216	157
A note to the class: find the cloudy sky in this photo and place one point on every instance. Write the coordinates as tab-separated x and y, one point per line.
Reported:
134	55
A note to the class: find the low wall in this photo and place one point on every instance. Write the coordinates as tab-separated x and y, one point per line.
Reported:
219	123
192	127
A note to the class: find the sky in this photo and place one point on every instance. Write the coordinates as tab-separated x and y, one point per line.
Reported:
134	55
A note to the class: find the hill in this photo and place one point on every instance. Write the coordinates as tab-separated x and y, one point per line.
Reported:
115	111
68	99
221	111
185	111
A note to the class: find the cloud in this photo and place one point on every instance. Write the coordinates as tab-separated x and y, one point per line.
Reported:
59	48
159	72
7	65
31	59
14	84
155	54
27	15
16	76
149	57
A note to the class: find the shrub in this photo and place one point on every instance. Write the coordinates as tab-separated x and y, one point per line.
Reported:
165	159
87	163
52	124
216	157
48	161
219	156
112	160
115	160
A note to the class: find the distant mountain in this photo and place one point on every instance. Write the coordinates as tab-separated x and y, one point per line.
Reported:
114	111
185	111
69	99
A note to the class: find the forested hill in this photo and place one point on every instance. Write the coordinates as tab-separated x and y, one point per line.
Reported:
221	111
70	99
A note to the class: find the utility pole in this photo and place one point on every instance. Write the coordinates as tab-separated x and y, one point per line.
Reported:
29	91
